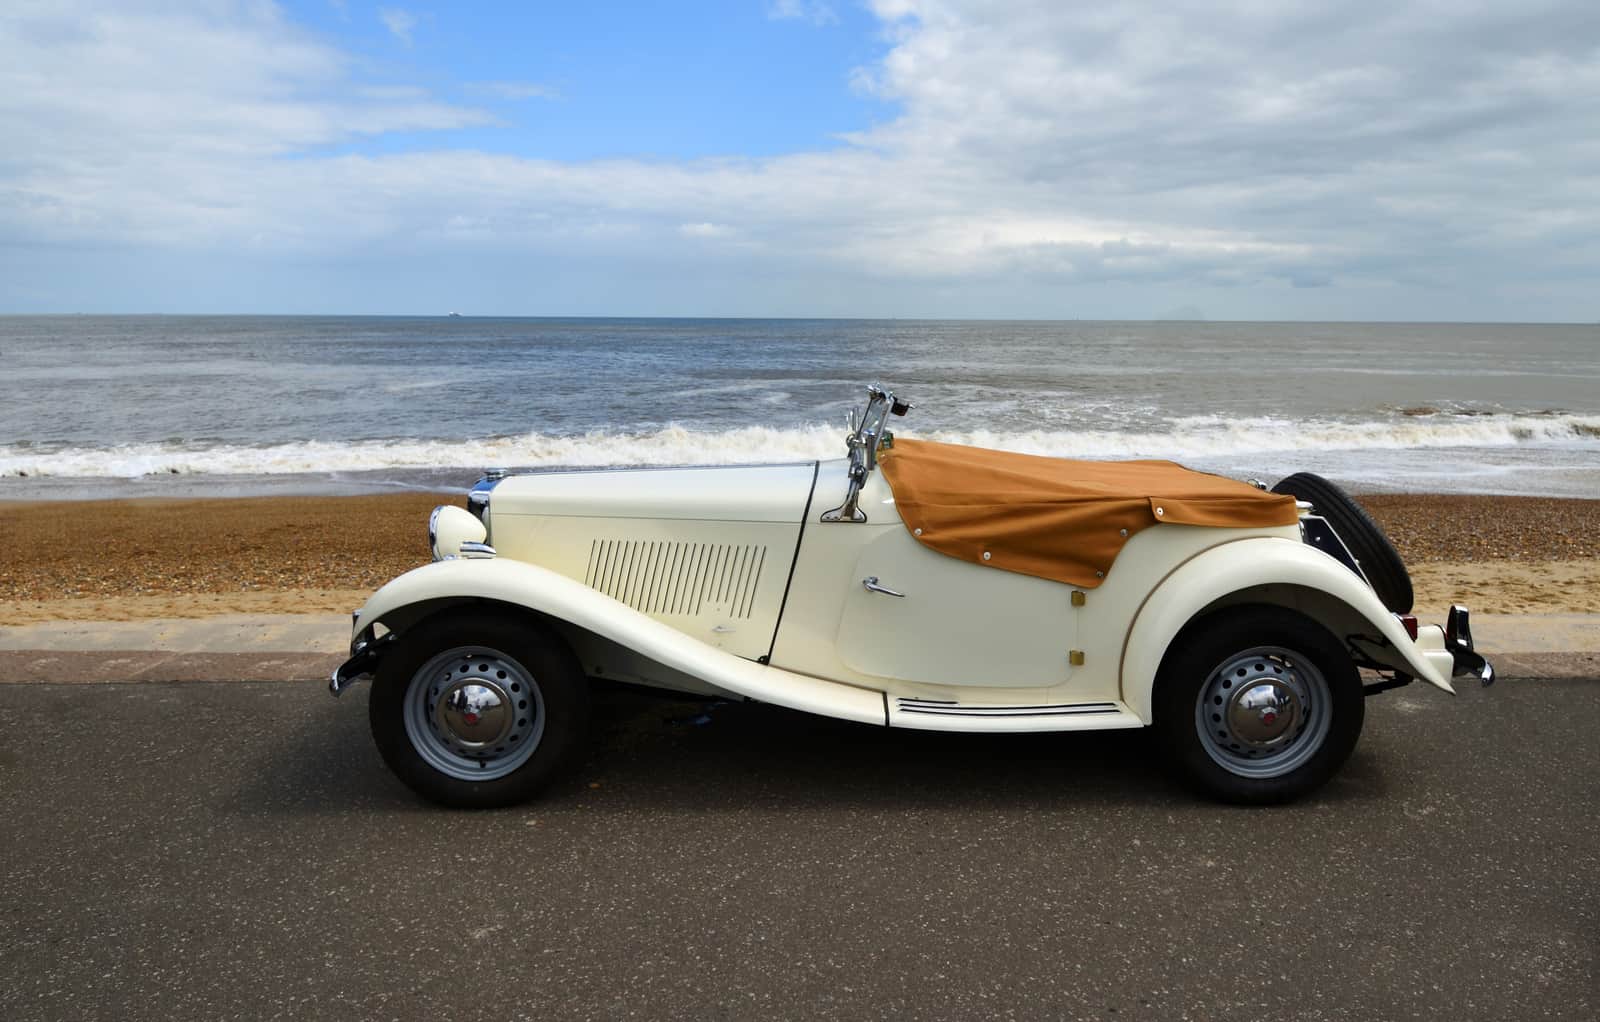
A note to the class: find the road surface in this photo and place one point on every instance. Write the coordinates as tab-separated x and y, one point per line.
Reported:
199	850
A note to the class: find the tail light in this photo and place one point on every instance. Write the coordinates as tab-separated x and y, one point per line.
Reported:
1409	623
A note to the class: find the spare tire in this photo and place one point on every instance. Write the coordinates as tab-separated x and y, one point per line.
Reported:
1380	562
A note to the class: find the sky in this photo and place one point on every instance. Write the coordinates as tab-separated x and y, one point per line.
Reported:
1008	159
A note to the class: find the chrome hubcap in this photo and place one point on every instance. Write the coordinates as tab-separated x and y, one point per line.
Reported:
1263	712
474	713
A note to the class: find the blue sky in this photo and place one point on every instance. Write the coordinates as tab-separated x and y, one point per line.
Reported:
592	81
1360	160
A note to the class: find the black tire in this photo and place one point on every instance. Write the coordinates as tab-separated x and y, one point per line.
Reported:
1380	561
552	692
1273	651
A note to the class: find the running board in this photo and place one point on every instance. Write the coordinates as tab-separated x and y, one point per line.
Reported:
949	715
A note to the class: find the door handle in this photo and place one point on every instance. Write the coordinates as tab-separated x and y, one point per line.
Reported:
870	583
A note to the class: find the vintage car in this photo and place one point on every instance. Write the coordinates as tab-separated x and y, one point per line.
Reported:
911	584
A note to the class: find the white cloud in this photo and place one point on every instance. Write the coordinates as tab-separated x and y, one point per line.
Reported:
1041	149
705	230
399	22
814	11
512	90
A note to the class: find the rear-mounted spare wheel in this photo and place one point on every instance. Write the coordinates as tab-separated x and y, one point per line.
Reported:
1380	562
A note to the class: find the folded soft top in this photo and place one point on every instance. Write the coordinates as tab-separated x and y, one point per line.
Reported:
1056	518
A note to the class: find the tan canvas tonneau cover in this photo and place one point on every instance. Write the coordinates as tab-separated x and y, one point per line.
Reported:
1056	518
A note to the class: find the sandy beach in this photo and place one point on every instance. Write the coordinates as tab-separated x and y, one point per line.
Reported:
134	559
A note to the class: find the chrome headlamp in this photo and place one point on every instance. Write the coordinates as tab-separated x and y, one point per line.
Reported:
454	532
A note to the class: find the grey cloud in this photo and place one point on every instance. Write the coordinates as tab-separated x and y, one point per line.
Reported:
1365	132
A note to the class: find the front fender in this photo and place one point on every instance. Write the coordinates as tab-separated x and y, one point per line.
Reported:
1280	571
517	583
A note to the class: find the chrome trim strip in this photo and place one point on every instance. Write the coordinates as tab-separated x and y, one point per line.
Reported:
478	496
909	701
1008	713
952	709
433	531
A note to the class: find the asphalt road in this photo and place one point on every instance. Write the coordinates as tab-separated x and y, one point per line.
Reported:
239	851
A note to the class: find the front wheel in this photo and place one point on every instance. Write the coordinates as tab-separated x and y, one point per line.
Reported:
477	710
1257	705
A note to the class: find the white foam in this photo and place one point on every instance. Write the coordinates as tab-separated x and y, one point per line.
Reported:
1204	437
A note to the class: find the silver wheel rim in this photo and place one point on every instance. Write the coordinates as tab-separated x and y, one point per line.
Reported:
474	714
1263	712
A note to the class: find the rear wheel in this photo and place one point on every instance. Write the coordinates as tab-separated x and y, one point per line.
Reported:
476	710
1257	704
1380	561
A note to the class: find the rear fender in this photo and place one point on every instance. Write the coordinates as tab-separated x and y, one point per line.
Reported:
1274	571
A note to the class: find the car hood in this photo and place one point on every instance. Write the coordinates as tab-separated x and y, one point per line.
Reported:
743	493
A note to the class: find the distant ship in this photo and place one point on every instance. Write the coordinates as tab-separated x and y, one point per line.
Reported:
455	315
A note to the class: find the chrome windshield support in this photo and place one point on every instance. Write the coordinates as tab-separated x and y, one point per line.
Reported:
866	435
849	511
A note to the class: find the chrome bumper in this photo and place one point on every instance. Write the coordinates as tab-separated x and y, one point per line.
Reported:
1458	640
364	657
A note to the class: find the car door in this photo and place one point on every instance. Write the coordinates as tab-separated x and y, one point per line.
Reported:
953	622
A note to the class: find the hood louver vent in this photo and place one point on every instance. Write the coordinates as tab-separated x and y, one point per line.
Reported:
677	579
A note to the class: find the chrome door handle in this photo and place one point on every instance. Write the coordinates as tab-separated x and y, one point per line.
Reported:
870	583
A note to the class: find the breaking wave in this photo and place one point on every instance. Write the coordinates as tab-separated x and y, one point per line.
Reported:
1198	437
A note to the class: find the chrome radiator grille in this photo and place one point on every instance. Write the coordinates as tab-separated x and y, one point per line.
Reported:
684	579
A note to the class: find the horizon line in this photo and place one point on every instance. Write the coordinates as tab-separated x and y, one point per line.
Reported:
796	319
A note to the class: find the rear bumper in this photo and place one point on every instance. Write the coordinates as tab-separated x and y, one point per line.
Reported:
1465	660
1449	648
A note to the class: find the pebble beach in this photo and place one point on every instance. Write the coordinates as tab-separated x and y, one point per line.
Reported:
129	559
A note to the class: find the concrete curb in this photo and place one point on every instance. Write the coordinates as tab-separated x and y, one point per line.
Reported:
1545	665
224	633
111	666
297	647
39	666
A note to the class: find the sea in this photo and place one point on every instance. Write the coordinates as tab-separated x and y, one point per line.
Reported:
159	406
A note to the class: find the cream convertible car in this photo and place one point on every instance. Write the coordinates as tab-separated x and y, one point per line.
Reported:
911	584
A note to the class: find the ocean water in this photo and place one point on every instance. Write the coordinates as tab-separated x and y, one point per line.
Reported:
97	406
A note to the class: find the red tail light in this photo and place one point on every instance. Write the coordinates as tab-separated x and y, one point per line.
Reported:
1409	623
